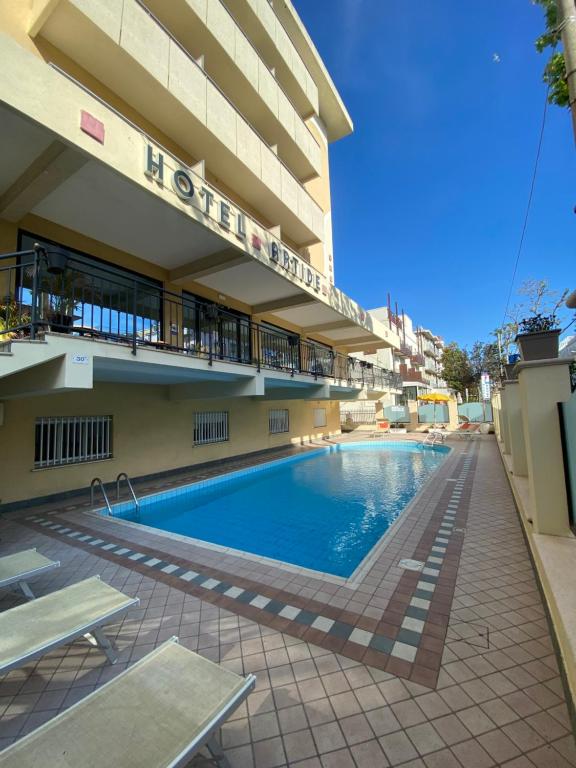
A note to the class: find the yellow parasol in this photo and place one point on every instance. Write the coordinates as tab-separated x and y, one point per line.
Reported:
434	397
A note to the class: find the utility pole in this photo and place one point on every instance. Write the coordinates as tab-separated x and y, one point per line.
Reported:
567	23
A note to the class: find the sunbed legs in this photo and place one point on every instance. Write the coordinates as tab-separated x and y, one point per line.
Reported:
215	750
26	591
97	637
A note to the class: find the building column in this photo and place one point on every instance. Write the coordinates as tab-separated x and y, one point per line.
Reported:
504	428
516	429
453	420
543	384
496	409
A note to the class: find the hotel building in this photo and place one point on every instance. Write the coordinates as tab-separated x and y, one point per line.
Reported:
167	292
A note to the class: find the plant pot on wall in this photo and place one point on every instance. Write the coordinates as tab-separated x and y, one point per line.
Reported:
539	337
539	345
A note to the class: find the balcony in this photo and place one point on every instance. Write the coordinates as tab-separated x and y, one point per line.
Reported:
132	54
52	293
417	359
410	374
235	64
258	19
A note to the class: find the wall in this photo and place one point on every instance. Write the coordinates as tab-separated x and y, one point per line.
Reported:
150	434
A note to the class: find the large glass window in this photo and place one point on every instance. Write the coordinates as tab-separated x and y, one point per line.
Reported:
91	297
208	327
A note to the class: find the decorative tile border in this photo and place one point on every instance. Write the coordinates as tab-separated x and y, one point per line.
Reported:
407	641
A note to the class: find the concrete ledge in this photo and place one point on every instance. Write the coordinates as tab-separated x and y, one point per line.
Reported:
553	558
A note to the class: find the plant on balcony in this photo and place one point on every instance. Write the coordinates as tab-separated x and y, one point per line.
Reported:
62	299
538	337
12	317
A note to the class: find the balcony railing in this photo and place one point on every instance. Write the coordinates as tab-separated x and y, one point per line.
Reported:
417	359
409	374
56	291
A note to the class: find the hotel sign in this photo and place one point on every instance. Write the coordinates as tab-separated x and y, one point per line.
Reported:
193	190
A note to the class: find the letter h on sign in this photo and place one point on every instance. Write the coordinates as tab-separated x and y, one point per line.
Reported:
154	168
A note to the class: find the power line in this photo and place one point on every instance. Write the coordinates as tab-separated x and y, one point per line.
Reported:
529	204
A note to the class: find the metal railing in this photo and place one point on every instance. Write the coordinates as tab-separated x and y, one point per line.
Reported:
124	476
98	482
52	290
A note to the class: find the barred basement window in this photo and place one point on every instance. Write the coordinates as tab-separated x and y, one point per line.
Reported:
319	417
61	440
278	420
211	427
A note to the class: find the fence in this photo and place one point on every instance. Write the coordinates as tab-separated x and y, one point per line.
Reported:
397	414
476	412
52	290
433	413
356	416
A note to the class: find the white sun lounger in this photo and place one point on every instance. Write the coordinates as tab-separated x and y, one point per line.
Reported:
19	568
157	714
30	630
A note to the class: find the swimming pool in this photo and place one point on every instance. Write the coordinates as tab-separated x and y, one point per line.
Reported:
323	510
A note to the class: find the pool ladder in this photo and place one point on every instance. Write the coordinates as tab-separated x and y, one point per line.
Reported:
97	482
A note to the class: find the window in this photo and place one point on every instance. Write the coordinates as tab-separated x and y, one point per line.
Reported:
278	420
319	417
206	325
61	440
211	427
95	297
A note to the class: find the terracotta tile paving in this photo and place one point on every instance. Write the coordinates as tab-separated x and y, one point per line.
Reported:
483	688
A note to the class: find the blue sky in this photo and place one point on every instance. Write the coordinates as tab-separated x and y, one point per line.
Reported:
430	191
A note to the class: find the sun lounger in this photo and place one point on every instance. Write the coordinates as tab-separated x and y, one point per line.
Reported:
19	568
465	431
382	427
434	437
30	630
157	714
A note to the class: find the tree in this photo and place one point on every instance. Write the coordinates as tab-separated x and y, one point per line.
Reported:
555	70
485	358
541	299
456	370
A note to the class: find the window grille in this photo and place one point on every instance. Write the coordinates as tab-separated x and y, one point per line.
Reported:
319	417
211	427
278	420
61	440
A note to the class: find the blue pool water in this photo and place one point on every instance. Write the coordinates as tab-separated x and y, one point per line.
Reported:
324	510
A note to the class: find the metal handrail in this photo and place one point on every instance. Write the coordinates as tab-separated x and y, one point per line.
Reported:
138	312
125	476
98	481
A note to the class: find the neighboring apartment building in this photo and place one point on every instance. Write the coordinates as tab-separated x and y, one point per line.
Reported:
416	363
568	347
165	198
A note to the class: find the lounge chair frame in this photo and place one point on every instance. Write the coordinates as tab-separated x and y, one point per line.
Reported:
20	580
93	631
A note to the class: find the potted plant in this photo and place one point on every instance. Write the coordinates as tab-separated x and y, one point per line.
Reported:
63	299
13	316
538	337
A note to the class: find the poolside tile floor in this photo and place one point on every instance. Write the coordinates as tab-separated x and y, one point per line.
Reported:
451	665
